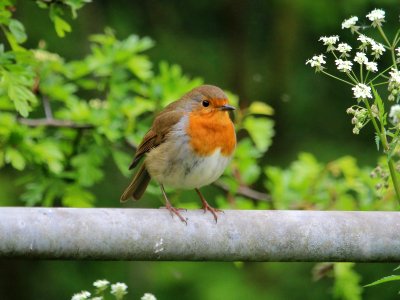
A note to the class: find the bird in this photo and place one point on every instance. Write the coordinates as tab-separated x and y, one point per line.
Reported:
189	145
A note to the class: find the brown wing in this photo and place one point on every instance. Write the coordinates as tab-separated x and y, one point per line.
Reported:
157	134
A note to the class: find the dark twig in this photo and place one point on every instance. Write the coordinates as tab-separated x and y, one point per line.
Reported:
47	108
246	192
53	123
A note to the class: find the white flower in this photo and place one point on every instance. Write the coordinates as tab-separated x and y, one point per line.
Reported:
362	91
119	289
398	54
148	296
395	114
377	16
101	283
394	84
371	66
343	65
316	62
329	41
361	58
350	24
81	296
343	48
394	76
365	41
377	49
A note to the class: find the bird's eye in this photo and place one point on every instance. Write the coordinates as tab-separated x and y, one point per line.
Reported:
205	103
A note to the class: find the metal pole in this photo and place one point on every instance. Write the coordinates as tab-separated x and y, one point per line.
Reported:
239	235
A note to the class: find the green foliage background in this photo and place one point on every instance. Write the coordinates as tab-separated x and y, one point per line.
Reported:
107	67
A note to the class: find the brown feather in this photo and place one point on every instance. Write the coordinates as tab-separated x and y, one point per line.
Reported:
156	135
137	186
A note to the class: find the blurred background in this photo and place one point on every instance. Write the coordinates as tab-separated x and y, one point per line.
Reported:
257	50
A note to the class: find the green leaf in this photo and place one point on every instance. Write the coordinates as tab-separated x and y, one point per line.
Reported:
16	159
141	66
346	282
41	4
261	131
260	108
61	26
380	105
245	161
122	160
13	42
75	196
18	30
21	96
34	192
75	5
377	140
49	153
384	279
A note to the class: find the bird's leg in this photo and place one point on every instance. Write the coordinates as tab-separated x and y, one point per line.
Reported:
207	206
172	209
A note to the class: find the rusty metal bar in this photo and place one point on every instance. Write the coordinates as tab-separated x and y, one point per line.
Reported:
239	235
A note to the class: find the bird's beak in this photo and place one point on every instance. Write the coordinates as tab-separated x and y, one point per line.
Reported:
226	107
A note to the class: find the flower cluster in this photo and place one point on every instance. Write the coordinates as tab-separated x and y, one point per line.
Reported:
398	54
377	17
148	296
361	91
351	24
394	114
360	117
101	285
81	296
394	84
118	290
317	62
329	41
358	66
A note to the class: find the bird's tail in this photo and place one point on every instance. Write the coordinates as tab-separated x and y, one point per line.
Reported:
137	186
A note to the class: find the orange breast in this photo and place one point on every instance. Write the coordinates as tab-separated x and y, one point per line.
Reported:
210	131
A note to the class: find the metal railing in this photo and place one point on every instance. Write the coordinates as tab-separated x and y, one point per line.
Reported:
239	235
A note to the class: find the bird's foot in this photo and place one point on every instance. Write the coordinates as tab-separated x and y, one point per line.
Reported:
175	211
214	211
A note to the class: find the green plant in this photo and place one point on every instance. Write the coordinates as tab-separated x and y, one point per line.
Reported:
366	85
75	116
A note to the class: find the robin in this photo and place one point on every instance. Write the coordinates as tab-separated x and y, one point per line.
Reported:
188	146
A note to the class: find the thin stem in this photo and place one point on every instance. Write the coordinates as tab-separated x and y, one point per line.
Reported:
384	36
382	137
379	75
340	79
391	47
381	83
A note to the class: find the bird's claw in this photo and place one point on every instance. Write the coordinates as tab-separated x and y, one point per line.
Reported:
175	211
214	211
